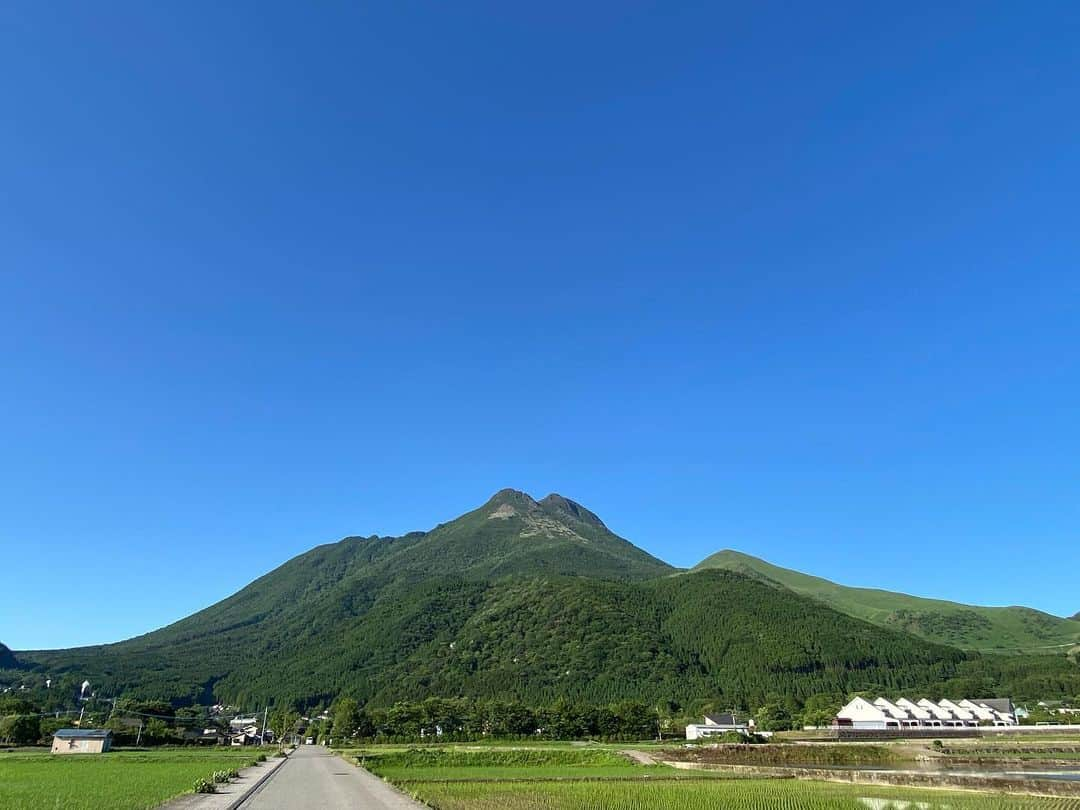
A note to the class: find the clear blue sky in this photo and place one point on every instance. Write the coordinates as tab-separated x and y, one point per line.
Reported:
801	282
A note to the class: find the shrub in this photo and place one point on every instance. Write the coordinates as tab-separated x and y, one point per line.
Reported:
261	758
220	777
731	737
203	786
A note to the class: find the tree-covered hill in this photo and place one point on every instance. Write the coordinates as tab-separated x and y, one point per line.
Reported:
527	600
713	634
990	629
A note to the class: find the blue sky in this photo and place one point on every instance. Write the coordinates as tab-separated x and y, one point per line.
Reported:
802	282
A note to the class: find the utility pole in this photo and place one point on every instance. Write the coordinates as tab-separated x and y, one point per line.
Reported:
262	731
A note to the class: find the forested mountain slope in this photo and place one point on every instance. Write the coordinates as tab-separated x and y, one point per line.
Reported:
527	600
992	629
712	634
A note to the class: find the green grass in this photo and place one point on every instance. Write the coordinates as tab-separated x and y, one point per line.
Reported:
460	764
118	780
827	756
736	794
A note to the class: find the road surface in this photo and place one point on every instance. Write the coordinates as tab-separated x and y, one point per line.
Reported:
314	778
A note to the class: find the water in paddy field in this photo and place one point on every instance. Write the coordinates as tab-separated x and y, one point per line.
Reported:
1063	774
1067	776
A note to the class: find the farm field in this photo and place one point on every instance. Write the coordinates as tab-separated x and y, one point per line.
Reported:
528	764
456	778
736	794
119	780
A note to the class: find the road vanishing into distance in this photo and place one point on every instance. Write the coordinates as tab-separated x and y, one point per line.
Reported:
312	777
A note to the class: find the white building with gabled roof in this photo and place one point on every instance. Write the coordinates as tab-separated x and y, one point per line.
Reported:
903	716
917	712
860	713
966	716
885	715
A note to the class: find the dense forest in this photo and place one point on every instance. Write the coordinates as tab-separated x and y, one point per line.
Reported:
530	602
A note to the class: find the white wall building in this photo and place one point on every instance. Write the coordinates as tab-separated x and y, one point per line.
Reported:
718	724
883	714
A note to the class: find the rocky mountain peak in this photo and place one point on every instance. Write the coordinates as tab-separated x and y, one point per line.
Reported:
556	504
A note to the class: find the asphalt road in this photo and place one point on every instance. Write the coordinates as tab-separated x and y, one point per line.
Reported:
313	777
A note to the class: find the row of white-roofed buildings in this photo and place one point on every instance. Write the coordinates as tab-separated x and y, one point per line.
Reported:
882	714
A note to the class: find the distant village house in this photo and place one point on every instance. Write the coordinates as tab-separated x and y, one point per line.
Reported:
82	741
719	724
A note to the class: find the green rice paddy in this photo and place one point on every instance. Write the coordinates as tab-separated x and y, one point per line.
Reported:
735	794
531	779
118	780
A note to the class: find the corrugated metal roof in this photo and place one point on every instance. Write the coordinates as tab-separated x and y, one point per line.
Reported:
90	733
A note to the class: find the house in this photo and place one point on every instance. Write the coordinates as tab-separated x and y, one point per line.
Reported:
885	715
719	724
206	736
82	741
862	714
251	735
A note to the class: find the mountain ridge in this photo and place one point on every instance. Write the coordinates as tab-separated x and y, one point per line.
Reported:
990	629
515	599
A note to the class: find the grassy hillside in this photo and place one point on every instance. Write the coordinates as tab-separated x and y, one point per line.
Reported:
991	629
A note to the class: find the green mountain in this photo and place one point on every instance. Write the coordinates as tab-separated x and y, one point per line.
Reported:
991	629
7	658
528	600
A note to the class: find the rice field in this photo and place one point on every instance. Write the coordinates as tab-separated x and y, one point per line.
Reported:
524	779
736	794
118	780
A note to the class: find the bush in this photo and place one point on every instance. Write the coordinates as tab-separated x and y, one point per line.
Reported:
234	773
731	737
220	777
204	786
937	745
260	758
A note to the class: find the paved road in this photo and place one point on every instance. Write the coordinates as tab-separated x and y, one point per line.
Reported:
313	777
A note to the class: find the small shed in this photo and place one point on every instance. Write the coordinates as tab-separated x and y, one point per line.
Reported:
82	741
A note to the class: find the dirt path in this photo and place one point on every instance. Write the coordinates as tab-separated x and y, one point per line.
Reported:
640	757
